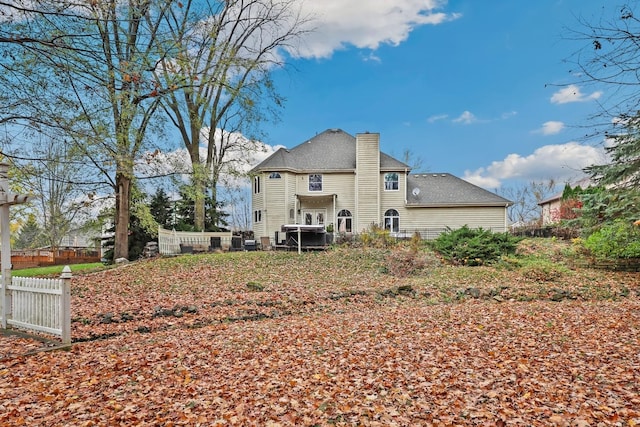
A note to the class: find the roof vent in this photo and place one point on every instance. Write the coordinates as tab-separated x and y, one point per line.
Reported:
415	191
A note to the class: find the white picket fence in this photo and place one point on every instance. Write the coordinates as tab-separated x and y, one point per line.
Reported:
39	304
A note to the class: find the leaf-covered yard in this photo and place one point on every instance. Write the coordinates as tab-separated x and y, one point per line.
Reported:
332	338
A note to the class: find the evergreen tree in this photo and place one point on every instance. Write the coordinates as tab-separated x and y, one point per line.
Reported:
623	171
31	235
618	197
161	208
185	210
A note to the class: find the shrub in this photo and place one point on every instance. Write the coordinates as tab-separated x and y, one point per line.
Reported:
542	270
403	262
618	240
474	246
376	237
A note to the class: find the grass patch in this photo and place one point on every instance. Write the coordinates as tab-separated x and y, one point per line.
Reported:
56	270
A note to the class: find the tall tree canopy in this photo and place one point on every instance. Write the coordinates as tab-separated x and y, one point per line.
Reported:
98	73
89	73
226	61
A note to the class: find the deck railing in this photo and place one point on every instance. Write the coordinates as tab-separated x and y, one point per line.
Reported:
169	241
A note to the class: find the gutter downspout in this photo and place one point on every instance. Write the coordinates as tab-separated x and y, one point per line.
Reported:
406	189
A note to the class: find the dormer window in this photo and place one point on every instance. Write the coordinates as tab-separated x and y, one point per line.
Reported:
315	182
391	182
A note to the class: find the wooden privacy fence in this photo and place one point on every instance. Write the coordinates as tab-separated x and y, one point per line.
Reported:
39	304
42	257
170	241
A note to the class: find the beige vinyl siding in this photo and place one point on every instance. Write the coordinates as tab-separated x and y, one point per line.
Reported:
342	184
290	183
491	218
257	203
550	212
276	205
392	199
367	178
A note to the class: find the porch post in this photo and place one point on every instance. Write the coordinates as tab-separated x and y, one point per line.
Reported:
65	305
335	220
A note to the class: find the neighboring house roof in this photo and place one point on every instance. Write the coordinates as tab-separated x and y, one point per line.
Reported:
444	189
551	199
583	183
331	150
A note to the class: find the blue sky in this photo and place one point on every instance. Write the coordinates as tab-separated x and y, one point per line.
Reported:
474	88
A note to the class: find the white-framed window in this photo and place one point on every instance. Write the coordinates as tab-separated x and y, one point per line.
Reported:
315	182
256	184
391	182
345	221
392	220
257	216
314	216
274	175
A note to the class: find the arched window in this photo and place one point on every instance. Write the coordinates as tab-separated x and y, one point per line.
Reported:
345	221
274	175
392	220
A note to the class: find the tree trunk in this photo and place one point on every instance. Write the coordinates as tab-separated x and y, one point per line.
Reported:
198	182
123	193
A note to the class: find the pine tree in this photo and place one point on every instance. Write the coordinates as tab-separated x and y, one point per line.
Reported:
161	208
31	235
624	169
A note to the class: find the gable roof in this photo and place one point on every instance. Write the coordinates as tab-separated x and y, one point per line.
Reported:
444	189
332	150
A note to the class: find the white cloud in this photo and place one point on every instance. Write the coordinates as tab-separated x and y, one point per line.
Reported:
572	93
563	162
476	178
371	57
437	118
240	157
550	128
466	118
366	25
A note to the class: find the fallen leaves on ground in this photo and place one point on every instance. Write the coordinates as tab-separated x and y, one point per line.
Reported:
329	339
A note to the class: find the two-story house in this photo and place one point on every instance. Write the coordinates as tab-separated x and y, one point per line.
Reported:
343	182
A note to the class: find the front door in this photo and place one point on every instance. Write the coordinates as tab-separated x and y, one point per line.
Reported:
314	216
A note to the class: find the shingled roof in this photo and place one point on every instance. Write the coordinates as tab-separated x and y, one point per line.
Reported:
444	189
331	150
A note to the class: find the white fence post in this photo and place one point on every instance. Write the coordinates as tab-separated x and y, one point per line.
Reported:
65	305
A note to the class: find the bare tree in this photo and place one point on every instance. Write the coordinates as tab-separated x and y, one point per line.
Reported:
525	208
57	174
608	62
415	162
227	59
